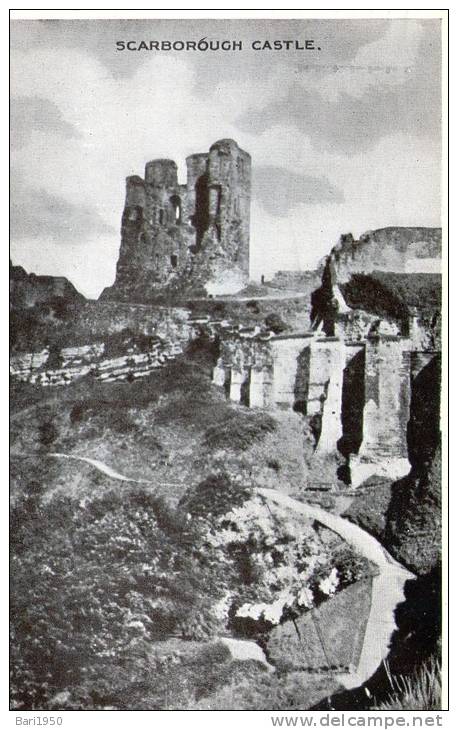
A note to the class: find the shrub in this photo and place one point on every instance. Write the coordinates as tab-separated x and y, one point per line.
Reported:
48	433
101	580
215	496
239	431
203	351
275	323
253	306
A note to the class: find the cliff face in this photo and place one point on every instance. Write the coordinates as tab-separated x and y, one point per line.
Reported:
28	290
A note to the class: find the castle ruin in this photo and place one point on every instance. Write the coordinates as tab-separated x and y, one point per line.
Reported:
368	342
355	394
191	238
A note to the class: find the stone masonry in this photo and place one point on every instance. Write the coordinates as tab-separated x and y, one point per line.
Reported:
356	394
185	239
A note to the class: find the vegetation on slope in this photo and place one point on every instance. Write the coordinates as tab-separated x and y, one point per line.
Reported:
96	596
421	690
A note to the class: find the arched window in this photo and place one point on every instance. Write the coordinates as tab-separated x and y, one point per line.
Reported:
174	261
161	217
175	202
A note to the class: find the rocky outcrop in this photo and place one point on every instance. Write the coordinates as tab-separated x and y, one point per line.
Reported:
28	290
54	366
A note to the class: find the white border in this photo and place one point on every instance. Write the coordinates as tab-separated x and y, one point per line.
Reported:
224	719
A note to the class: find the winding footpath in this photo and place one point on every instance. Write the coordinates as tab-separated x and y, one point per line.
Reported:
107	470
387	586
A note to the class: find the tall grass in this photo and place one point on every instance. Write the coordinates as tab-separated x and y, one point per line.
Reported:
420	691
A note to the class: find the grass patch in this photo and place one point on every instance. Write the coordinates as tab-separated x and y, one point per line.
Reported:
420	691
369	508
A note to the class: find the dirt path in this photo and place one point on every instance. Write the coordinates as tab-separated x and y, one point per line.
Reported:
107	470
387	587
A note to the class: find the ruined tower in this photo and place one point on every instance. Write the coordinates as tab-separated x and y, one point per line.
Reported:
186	238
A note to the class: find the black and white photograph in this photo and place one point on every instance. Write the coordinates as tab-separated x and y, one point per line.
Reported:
226	384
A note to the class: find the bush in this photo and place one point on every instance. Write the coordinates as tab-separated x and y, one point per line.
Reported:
104	415
238	432
215	496
275	323
48	433
253	306
102	581
204	352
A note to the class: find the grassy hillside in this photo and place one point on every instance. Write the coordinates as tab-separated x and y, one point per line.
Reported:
120	601
172	428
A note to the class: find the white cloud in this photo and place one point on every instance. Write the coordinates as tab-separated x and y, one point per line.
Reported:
383	64
123	122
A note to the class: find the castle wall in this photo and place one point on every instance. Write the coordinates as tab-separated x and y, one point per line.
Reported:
419	360
178	238
237	381
356	395
387	249
327	363
245	368
197	194
353	399
386	411
297	281
259	388
425	330
96	320
286	351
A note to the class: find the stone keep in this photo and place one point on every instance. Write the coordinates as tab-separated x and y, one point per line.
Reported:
185	238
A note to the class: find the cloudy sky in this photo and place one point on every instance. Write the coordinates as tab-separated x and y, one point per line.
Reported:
342	139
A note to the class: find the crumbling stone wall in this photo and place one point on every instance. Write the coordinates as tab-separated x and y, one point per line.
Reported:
298	281
186	238
354	395
327	363
386	410
355	295
386	249
245	368
97	320
287	366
